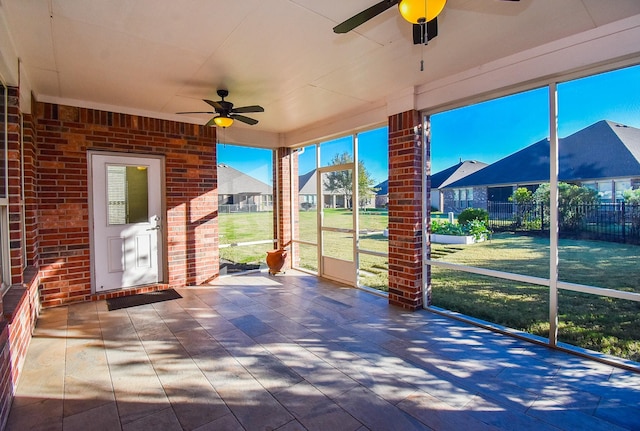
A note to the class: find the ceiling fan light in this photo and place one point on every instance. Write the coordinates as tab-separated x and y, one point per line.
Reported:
414	10
223	121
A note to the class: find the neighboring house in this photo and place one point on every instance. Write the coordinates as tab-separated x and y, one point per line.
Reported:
241	192
438	180
382	194
307	192
604	156
454	173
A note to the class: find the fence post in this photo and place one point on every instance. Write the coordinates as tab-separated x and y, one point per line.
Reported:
624	223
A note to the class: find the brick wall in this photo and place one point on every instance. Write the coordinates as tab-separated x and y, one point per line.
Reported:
286	162
6	385
30	187
405	211
480	197
53	229
22	307
20	304
63	136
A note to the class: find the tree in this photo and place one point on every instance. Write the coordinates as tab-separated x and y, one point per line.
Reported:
632	196
571	202
632	202
523	198
341	181
522	195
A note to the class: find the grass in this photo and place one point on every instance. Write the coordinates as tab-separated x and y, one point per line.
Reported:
599	323
603	324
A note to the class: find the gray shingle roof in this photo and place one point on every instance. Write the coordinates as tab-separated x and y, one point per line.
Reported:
307	183
232	182
383	188
455	173
602	150
444	177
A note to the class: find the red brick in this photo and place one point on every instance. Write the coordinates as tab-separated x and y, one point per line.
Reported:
405	211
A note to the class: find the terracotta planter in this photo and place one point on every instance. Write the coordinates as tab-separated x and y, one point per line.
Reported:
275	260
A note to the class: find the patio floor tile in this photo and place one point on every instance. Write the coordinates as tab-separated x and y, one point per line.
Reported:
293	352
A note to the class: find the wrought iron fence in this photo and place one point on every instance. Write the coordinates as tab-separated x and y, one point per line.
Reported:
244	208
616	222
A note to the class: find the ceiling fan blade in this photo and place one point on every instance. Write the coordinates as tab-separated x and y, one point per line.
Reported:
216	105
196	112
244	119
211	122
364	16
431	32
245	109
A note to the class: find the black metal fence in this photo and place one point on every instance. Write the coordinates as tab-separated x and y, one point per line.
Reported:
617	222
244	208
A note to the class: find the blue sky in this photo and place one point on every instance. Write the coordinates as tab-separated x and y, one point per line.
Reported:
486	131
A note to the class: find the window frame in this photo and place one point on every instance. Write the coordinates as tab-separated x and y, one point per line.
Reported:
5	262
554	283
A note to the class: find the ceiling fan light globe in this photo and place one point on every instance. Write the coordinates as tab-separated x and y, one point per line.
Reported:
223	121
417	11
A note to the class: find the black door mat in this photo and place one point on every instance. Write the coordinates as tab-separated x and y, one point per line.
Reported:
142	299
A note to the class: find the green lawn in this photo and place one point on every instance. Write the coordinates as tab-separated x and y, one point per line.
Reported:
602	324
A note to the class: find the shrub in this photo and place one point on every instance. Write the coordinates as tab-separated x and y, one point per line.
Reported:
522	195
632	196
471	214
570	197
475	228
447	228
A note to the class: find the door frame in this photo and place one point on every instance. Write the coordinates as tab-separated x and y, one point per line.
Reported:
348	272
162	248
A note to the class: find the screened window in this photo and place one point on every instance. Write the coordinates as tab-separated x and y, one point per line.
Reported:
5	273
588	244
245	207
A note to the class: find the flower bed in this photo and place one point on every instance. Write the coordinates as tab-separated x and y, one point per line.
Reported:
455	233
452	239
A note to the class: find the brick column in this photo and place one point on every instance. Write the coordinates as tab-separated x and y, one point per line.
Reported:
405	211
285	179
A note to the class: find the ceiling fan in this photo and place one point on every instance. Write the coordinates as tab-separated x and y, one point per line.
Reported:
421	13
226	112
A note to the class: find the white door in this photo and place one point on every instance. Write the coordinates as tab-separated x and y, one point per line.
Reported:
127	220
337	232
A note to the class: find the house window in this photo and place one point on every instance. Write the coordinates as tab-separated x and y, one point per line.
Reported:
225	199
463	198
267	202
605	191
308	199
620	187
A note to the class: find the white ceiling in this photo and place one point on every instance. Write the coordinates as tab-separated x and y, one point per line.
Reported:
158	57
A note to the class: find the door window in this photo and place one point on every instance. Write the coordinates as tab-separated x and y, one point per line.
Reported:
128	194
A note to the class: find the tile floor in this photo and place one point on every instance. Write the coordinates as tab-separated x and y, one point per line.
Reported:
293	352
